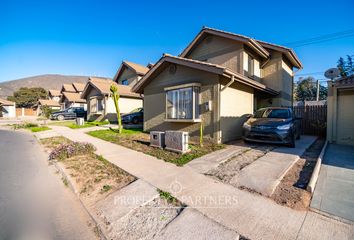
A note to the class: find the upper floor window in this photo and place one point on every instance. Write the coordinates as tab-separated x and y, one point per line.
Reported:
182	103
125	82
251	66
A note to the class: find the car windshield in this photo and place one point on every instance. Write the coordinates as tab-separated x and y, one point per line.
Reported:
272	113
136	110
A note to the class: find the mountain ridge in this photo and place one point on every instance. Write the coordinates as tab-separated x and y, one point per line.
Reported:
47	81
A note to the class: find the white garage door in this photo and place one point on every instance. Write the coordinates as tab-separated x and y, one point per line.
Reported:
345	120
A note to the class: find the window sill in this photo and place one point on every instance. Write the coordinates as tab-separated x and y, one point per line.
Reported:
184	120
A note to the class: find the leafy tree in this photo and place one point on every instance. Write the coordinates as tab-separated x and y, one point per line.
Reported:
346	67
306	89
115	96
46	111
28	97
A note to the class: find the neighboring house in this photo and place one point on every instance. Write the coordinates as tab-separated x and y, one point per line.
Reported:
7	108
67	88
100	103
218	79
79	87
129	73
54	95
71	96
72	99
340	111
52	104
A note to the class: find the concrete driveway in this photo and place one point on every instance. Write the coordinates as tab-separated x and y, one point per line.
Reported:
334	193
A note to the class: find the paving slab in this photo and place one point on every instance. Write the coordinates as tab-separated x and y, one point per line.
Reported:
321	227
212	160
264	174
121	202
250	215
191	224
334	192
46	134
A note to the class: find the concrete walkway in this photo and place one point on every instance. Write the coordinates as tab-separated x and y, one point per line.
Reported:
251	215
334	193
214	159
265	174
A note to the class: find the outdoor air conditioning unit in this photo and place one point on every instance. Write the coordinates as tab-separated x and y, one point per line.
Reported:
157	139
177	141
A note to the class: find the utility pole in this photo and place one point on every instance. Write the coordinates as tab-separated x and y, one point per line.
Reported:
318	91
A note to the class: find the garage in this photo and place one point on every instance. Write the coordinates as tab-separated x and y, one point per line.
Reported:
340	118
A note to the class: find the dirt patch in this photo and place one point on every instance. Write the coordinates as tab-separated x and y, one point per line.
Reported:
146	221
94	176
226	171
291	191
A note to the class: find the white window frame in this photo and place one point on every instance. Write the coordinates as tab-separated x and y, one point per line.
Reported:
195	97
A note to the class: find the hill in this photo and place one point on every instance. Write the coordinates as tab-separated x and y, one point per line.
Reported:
47	81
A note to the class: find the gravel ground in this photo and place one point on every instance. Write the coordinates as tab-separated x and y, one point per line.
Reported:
146	221
226	171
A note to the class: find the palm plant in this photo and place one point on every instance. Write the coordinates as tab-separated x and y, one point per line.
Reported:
115	96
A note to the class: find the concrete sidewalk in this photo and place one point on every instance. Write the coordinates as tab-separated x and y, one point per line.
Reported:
265	173
252	216
334	193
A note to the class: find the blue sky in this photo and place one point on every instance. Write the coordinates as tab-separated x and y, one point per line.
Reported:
93	37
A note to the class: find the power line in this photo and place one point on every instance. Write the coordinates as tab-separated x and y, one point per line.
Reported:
322	38
313	73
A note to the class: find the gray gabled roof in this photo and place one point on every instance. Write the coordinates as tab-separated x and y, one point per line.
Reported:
259	46
203	66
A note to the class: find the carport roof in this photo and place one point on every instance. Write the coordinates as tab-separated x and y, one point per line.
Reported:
345	82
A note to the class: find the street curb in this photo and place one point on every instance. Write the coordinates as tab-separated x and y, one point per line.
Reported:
77	193
316	171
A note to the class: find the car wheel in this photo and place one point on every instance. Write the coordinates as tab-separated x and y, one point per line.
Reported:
292	141
61	118
298	136
135	120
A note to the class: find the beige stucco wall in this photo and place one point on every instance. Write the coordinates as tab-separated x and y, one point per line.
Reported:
129	75
126	105
220	51
155	102
277	74
236	102
340	117
8	111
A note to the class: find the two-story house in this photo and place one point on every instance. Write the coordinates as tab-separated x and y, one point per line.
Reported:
129	73
71	96
218	80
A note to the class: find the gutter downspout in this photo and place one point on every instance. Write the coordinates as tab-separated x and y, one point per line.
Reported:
229	83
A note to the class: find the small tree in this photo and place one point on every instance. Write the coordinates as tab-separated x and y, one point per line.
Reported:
115	96
46	111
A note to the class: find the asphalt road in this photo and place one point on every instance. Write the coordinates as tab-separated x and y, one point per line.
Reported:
34	202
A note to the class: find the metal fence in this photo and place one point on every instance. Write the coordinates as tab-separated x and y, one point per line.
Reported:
314	119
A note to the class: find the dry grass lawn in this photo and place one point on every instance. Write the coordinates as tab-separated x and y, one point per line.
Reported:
94	176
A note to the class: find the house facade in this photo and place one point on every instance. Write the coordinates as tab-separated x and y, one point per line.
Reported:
52	104
7	109
100	105
218	80
129	73
340	113
70	96
54	95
